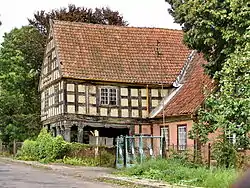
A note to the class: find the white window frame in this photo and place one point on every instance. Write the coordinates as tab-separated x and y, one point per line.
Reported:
165	133
182	137
232	138
107	101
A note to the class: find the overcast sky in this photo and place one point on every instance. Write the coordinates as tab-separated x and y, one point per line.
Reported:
141	13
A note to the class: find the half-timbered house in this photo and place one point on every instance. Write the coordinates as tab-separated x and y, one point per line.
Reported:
108	78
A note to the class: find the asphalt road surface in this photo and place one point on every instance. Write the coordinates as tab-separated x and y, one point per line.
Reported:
14	175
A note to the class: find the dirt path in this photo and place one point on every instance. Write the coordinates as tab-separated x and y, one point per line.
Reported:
15	175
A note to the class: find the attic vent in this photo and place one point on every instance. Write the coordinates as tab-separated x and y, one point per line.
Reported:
158	50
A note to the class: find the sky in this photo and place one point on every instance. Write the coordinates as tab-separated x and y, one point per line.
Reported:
138	13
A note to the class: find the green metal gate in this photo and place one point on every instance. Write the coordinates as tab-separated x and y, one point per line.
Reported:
132	150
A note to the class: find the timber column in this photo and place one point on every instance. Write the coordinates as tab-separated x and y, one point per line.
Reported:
67	134
80	133
58	130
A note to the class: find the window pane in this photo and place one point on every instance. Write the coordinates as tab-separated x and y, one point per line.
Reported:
112	96
46	102
49	63
104	96
164	133
182	137
56	94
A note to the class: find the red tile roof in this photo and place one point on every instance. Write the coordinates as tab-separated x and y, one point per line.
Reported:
191	95
119	54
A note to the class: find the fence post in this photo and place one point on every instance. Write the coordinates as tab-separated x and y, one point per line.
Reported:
125	151
14	147
97	143
140	149
209	155
1	146
117	152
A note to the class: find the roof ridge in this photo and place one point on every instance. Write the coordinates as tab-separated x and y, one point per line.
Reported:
112	26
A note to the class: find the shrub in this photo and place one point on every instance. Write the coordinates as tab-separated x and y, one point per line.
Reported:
45	148
225	154
28	151
107	159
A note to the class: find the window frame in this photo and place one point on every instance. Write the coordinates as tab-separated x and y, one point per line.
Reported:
232	138
46	99
181	147
56	94
167	140
49	63
109	96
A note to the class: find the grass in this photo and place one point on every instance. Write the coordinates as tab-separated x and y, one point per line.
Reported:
120	183
80	161
178	172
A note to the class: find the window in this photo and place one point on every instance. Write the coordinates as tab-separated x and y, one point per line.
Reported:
182	137
49	63
108	96
46	101
56	91
165	134
232	138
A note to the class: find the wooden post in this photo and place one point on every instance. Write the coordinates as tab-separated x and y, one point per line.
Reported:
97	142
1	146
209	155
14	147
147	99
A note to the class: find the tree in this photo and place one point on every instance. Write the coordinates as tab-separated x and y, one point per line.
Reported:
103	16
228	110
213	27
20	56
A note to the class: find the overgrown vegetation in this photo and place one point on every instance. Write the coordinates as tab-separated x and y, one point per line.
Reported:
47	148
220	30
178	171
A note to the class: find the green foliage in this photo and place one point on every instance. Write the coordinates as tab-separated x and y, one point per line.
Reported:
45	148
20	56
177	172
28	151
225	153
81	161
228	110
106	158
214	27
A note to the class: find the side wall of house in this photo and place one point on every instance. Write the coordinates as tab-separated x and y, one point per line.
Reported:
54	106
50	85
132	101
155	130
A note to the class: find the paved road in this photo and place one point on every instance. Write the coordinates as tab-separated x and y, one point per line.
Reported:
14	175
